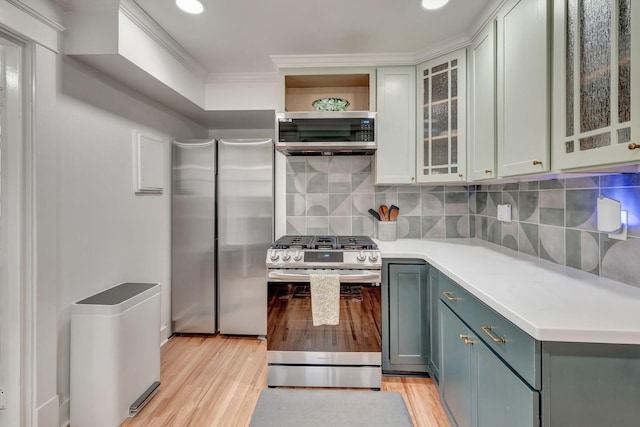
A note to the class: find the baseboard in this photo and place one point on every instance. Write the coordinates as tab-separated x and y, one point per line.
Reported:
65	414
47	414
164	335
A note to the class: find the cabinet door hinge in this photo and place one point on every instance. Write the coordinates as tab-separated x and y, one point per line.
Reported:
3	400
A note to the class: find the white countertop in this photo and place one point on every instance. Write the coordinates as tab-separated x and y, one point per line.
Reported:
548	301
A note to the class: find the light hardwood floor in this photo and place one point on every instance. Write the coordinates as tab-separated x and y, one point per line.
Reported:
216	380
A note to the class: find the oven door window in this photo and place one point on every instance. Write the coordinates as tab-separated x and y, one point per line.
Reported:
290	322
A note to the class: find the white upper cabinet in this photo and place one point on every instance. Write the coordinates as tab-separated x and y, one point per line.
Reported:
482	105
523	92
302	86
596	89
441	119
396	125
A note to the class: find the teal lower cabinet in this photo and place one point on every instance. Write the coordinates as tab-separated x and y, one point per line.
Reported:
456	368
493	374
503	399
434	336
490	370
590	385
405	317
477	388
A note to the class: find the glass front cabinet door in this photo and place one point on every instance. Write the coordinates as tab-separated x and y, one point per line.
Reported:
596	83
441	119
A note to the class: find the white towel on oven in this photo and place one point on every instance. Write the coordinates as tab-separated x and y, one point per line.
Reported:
325	299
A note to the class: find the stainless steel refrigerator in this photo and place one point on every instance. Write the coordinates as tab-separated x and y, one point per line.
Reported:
193	261
245	232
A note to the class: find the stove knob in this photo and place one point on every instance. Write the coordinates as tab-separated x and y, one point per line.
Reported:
361	257
286	256
373	257
274	256
297	256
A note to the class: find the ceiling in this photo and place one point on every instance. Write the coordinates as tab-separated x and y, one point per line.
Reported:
240	36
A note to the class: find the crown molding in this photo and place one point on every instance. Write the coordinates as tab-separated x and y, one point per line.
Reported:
356	60
375	60
150	27
60	4
37	15
342	60
79	5
488	14
371	60
443	48
242	77
132	11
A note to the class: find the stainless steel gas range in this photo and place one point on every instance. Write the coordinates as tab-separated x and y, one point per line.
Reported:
344	355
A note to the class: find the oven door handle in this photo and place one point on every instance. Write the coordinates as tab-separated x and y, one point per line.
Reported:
282	276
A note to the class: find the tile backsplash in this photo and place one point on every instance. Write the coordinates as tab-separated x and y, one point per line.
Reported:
556	220
551	219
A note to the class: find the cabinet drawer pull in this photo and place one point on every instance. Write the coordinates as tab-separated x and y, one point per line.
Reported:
537	162
466	339
633	146
487	330
448	296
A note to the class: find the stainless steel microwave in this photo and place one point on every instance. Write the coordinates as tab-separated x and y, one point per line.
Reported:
326	133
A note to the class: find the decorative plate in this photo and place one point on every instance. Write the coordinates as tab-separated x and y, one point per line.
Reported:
330	104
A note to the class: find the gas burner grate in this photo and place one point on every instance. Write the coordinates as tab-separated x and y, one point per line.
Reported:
356	243
351	243
293	242
325	242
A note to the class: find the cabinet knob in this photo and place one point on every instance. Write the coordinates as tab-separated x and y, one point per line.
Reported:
487	171
460	175
537	162
466	339
633	146
413	178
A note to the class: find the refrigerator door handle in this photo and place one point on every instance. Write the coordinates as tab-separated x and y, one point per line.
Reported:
194	143
246	142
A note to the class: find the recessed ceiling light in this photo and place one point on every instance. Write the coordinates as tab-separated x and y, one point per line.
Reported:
434	4
194	7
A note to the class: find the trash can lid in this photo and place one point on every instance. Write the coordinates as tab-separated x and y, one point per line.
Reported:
118	298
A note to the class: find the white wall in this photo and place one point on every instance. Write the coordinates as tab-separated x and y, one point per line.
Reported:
90	231
251	92
45	241
106	233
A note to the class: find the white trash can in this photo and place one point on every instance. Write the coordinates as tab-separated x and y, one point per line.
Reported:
115	354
